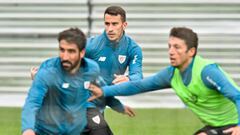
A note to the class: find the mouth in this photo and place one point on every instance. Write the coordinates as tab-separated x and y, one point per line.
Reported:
66	64
172	60
111	34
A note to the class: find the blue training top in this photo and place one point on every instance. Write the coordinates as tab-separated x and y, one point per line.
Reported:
114	58
211	75
56	102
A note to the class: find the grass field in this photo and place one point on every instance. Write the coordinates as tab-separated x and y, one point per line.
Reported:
147	122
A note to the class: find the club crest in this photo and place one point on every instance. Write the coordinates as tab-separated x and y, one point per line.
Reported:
86	84
121	58
96	119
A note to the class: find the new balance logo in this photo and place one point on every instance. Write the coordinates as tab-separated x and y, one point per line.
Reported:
102	59
65	85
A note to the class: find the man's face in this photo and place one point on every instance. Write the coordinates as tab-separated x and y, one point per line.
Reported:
179	55
70	56
114	27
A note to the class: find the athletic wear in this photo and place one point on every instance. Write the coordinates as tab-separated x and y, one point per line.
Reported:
210	77
113	58
208	104
209	130
96	123
56	102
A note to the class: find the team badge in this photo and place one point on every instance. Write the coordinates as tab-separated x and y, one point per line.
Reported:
96	119
65	85
86	84
121	58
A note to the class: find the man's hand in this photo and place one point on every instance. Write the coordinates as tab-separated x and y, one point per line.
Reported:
129	111
120	79
234	130
29	132
33	71
96	92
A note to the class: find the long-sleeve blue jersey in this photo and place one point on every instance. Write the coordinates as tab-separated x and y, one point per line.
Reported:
114	58
56	102
212	76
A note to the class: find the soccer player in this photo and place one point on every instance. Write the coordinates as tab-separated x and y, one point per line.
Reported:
200	83
114	51
56	102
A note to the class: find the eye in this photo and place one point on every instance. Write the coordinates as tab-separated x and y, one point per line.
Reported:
107	24
71	51
61	49
115	23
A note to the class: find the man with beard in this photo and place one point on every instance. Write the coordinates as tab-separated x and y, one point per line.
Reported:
114	51
56	102
200	83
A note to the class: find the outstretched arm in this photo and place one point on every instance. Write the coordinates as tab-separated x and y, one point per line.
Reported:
116	105
158	81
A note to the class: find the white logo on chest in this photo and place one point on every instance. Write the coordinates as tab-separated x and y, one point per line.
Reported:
102	59
121	58
65	85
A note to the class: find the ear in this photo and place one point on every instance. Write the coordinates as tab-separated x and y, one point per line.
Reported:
82	53
192	51
125	25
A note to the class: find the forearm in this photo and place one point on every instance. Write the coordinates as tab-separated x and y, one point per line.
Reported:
115	104
152	83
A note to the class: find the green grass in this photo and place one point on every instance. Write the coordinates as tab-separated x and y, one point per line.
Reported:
154	122
10	121
146	122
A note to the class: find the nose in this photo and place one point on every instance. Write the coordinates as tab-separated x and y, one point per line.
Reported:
170	50
64	55
110	28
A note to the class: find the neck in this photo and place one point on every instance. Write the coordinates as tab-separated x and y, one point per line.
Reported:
183	67
75	70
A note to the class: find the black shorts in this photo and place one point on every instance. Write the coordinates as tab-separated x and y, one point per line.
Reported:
209	130
96	123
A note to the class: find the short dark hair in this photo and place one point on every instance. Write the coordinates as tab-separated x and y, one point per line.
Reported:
73	35
186	34
116	10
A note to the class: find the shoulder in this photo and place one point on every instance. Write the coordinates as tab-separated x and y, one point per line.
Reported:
91	66
131	42
94	39
169	71
210	69
133	46
51	63
94	43
48	69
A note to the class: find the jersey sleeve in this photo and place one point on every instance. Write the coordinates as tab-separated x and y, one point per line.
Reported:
158	81
135	64
115	104
34	101
214	78
89	48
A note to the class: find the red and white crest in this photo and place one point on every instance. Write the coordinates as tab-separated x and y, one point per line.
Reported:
86	84
121	58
